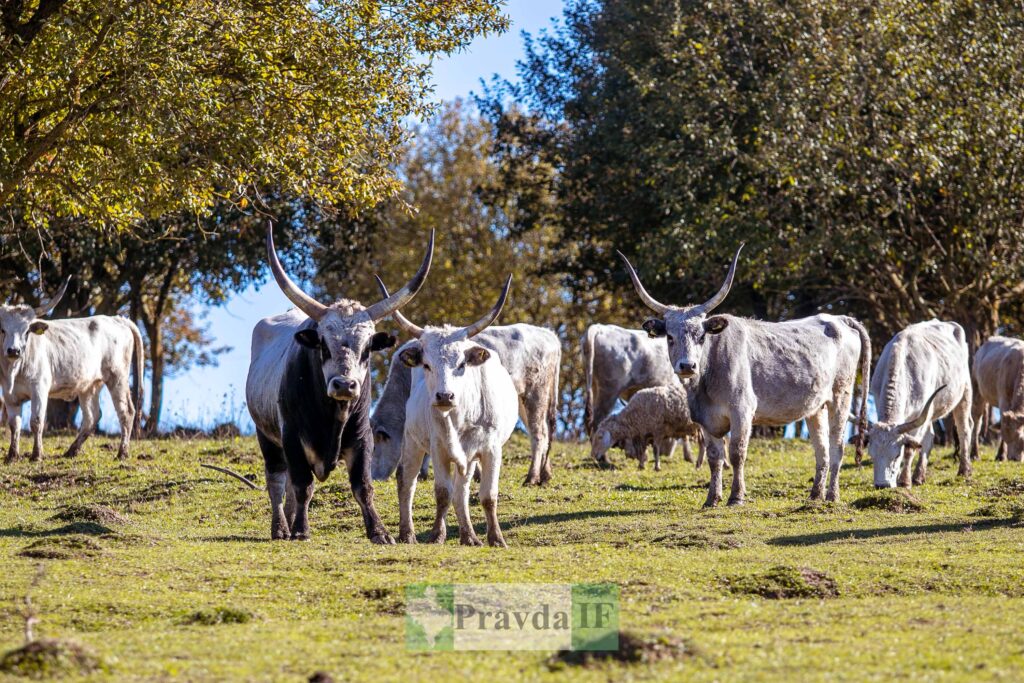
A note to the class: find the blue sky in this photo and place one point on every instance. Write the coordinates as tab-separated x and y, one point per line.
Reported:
204	396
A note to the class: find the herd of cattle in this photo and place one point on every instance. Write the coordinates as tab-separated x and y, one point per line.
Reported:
454	395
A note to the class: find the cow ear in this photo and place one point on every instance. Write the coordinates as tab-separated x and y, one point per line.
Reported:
655	327
411	356
910	443
381	341
38	327
477	355
308	338
715	324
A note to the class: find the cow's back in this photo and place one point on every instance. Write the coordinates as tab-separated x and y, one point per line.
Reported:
273	341
79	352
527	353
914	363
999	372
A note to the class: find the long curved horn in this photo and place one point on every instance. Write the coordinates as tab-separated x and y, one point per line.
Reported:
481	324
649	300
48	305
713	303
390	304
923	417
305	303
410	327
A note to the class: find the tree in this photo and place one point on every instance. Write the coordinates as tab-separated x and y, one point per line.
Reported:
116	110
867	153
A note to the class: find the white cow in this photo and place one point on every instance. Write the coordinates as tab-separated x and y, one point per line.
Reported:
922	375
67	359
462	409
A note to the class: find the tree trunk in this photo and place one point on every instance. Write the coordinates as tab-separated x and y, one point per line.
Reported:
154	330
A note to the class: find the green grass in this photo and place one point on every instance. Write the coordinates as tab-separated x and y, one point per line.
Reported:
164	569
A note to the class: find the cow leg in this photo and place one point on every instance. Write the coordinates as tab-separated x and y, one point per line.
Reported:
357	461
461	502
536	420
921	471
490	465
908	460
977	410
687	450
817	430
1001	450
425	468
965	427
120	391
38	419
443	492
13	419
716	458
276	472
300	488
838	413
90	404
738	457
405	480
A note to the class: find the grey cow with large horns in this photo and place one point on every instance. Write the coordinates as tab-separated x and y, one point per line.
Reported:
308	391
739	372
462	409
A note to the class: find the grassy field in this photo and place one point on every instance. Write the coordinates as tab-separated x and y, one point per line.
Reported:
165	570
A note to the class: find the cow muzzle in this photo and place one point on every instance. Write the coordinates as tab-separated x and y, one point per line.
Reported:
343	389
14	353
686	369
444	400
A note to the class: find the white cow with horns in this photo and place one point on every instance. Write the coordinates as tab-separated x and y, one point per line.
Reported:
739	372
68	359
462	409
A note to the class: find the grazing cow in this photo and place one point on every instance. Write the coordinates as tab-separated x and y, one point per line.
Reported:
68	359
739	372
462	409
654	417
308	391
618	363
532	355
999	381
922	374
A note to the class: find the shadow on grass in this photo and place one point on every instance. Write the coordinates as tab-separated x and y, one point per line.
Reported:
235	538
904	530
559	517
88	528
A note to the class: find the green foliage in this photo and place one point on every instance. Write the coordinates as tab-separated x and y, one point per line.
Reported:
115	109
866	152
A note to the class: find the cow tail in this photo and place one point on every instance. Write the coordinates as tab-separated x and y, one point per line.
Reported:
865	375
588	367
139	355
553	401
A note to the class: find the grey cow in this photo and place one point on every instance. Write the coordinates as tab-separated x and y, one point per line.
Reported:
619	362
999	381
531	355
739	372
922	375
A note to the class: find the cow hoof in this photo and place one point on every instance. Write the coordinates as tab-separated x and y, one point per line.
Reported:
918	481
470	540
122	455
531	480
12	457
832	498
383	538
711	502
497	542
422	476
36	457
300	536
407	538
545	477
737	501
70	453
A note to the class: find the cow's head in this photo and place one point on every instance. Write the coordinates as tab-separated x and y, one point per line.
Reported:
1011	429
889	443
685	328
18	322
448	356
343	334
